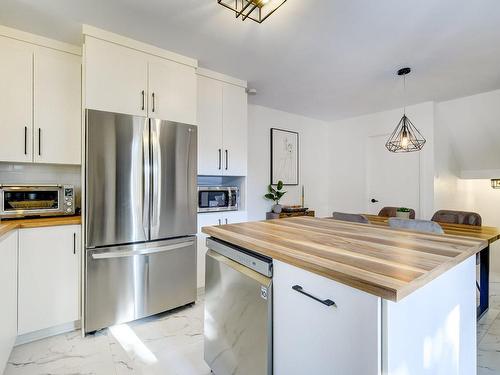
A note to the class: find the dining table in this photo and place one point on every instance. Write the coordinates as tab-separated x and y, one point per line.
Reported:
490	234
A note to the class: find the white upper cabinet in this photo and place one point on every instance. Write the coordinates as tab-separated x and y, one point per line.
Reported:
116	78
209	126
49	282
40	102
57	101
131	81
16	88
172	91
234	130
222	127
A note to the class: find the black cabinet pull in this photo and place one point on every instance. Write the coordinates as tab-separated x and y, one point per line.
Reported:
25	140
220	158
74	243
373	200
143	101
326	302
153	96
227	162
39	141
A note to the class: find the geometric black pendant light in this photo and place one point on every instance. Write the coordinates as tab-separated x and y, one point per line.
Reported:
406	137
255	10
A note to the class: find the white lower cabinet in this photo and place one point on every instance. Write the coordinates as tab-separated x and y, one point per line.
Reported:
208	219
49	282
312	338
8	296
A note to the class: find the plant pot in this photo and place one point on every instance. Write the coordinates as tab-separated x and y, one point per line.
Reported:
277	208
403	215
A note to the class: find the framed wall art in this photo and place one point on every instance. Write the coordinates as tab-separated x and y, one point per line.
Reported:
284	157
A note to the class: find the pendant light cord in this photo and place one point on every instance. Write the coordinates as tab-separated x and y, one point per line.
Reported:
404	94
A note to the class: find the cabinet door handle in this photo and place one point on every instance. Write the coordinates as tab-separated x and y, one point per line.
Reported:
153	97
226	220
39	141
227	162
143	100
326	302
220	222
25	140
220	158
74	243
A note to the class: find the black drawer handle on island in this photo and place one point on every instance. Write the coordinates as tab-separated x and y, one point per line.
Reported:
326	302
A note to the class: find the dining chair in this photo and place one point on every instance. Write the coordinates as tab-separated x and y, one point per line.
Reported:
354	218
391	212
416	225
457	217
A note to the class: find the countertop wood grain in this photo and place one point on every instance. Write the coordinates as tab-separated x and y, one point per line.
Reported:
8	225
389	263
490	234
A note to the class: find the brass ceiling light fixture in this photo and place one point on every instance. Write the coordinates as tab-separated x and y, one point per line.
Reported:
256	10
406	137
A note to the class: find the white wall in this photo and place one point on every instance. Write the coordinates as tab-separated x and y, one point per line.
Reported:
473	123
347	169
313	161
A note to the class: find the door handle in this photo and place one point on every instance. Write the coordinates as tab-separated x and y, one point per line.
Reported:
226	220
74	243
153	97
39	141
220	222
124	254
373	200
227	162
326	302
25	140
220	158
143	100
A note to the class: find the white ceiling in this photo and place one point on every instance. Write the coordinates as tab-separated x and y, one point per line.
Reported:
325	59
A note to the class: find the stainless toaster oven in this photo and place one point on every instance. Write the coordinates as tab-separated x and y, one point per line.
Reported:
218	198
24	200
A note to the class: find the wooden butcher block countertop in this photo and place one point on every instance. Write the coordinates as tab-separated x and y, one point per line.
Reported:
389	263
8	225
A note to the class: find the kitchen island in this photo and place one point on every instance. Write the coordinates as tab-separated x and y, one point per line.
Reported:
364	299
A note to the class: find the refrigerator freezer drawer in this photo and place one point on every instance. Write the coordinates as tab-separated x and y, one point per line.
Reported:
130	282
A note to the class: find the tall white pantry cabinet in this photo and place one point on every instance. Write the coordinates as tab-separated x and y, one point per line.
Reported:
40	100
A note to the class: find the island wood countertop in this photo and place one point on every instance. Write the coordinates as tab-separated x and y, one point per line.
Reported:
8	225
389	263
490	234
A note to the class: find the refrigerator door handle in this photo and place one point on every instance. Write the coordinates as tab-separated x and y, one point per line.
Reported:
123	254
156	178
146	180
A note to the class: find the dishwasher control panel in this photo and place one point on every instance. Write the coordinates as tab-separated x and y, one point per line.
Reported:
256	262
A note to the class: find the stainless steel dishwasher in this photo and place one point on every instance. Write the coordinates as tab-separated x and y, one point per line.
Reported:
238	311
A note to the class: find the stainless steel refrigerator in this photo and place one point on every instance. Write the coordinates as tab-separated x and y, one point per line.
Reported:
140	219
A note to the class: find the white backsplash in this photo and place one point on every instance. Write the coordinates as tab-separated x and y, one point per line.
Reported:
25	173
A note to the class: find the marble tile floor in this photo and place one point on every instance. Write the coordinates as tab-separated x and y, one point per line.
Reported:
172	344
166	344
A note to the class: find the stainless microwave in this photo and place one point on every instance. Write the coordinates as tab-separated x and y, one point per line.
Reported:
23	200
218	198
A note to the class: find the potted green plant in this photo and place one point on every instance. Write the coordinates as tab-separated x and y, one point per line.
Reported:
403	212
275	195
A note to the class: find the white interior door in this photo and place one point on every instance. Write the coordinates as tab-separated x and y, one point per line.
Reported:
392	179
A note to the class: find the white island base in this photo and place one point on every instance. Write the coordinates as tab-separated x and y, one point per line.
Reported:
432	331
